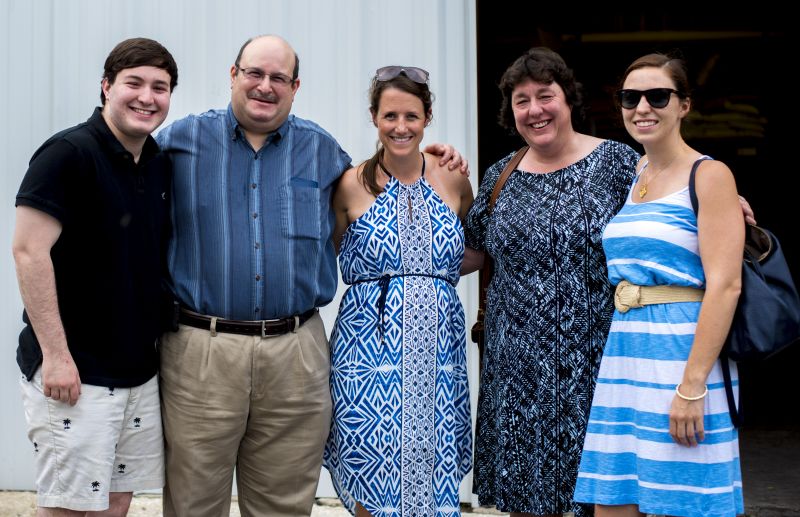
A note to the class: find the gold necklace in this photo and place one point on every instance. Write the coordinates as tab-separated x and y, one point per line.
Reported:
643	189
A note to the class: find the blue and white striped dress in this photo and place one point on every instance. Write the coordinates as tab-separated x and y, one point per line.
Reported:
629	456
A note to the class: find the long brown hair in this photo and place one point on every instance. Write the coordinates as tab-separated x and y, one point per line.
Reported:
369	172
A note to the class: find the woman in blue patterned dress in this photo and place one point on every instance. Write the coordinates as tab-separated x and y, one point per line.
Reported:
549	304
660	439
400	442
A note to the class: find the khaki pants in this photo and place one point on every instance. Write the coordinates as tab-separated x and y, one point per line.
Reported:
262	405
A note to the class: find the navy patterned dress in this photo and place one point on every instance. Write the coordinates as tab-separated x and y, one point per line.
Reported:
400	443
549	308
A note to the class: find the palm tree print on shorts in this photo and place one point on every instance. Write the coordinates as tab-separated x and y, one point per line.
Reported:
95	486
137	422
67	423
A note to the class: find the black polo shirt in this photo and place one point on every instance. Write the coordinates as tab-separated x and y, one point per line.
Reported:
110	257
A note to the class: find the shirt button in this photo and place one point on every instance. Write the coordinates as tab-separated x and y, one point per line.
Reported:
258	277
257	309
255	215
258	245
253	185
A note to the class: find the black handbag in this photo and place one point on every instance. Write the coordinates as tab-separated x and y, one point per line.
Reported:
767	317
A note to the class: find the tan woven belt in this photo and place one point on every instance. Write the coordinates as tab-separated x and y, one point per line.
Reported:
629	296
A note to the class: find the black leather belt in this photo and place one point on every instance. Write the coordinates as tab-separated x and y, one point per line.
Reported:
261	328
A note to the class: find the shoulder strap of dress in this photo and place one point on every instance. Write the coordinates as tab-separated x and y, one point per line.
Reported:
501	180
640	171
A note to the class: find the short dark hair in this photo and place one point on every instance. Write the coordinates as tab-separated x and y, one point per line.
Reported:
295	72
135	52
674	66
542	65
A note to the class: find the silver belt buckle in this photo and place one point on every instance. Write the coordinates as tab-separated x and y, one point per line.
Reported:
264	326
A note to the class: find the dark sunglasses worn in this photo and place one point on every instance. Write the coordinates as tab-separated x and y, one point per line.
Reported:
656	97
387	73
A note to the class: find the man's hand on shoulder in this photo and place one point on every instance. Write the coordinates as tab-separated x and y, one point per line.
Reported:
448	155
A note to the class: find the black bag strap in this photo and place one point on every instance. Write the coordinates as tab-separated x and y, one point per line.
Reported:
692	191
736	413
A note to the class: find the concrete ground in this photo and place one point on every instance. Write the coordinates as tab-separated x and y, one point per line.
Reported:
770	459
23	504
770	472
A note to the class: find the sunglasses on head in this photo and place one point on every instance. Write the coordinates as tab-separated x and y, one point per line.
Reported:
656	97
387	73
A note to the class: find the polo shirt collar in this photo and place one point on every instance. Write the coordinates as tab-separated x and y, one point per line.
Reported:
108	140
275	137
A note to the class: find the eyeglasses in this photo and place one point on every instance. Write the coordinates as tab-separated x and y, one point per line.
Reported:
387	73
656	97
257	75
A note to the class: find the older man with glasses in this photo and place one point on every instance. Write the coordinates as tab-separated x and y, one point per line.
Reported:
245	376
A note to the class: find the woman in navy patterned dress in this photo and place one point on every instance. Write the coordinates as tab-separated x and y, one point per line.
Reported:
549	304
400	442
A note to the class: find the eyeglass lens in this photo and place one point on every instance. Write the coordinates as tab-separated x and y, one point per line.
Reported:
656	97
387	73
256	74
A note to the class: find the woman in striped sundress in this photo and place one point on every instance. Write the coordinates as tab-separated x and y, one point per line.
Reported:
660	439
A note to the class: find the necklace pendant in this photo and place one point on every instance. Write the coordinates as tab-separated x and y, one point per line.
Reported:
642	192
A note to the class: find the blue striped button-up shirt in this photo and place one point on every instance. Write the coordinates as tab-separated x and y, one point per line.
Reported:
252	229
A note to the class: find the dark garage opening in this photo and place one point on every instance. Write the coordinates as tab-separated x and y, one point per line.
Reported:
739	61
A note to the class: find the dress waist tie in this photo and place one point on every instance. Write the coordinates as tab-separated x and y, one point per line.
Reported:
383	282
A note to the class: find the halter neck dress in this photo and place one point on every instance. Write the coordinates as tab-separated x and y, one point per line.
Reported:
400	442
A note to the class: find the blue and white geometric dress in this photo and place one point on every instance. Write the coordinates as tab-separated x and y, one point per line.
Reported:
400	443
629	456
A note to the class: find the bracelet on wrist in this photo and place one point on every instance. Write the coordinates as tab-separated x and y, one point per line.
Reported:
690	399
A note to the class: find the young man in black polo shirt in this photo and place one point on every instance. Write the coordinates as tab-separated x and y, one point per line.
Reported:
89	246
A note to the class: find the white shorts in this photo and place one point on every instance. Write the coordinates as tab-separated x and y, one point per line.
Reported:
110	441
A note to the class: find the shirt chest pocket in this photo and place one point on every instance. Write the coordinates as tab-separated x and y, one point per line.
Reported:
301	214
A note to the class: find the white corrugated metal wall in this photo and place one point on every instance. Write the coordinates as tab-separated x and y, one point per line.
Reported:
52	52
